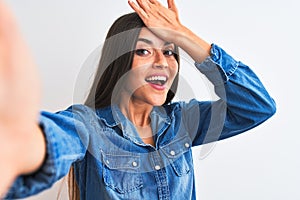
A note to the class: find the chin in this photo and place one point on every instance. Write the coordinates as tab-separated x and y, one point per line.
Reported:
158	101
158	104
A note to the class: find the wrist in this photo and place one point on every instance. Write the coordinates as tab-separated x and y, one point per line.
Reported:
192	44
35	150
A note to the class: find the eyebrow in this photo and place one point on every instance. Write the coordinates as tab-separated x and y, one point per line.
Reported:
151	43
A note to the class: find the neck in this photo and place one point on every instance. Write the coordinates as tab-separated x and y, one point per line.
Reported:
137	112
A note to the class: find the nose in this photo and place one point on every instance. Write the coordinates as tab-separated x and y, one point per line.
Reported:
160	60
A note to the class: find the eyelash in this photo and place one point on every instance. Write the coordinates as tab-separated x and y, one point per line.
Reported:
141	52
169	53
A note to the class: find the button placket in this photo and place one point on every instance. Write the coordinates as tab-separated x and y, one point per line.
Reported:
156	160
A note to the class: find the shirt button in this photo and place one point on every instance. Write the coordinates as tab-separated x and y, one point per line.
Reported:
157	167
172	153
134	164
107	161
187	145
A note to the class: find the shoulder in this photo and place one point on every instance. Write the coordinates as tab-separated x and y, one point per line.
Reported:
76	112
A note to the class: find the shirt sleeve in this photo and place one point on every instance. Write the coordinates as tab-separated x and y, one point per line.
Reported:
243	102
66	135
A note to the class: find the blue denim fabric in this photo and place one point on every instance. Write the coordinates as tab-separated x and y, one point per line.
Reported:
112	162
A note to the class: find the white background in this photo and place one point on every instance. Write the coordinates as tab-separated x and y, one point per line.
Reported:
263	163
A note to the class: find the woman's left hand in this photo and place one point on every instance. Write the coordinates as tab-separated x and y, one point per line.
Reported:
22	144
162	21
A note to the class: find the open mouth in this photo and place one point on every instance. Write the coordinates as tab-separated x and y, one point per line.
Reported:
157	80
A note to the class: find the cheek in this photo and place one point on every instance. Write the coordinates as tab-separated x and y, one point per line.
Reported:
135	62
173	68
134	80
138	62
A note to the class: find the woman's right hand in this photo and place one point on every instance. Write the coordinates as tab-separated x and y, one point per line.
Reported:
20	136
164	22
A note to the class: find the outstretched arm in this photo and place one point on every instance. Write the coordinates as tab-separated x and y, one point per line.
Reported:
22	145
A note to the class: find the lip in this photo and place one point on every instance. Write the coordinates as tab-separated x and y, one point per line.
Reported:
157	87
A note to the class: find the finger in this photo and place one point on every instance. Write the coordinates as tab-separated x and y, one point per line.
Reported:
7	32
7	21
172	5
144	4
154	2
137	9
16	63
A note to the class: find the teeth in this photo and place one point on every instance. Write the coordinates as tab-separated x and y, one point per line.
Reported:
157	78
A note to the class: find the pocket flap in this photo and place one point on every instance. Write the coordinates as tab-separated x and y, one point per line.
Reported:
177	147
125	162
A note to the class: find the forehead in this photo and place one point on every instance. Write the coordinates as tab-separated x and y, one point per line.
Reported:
146	36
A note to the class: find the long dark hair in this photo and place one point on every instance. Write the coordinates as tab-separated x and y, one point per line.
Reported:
116	60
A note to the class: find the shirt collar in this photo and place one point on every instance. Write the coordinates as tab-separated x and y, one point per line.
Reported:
112	116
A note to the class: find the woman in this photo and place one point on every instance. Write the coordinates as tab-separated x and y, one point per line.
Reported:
129	141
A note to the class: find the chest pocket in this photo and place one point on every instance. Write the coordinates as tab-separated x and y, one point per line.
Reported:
120	172
179	156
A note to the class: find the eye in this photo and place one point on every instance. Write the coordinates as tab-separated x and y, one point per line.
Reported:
168	52
142	52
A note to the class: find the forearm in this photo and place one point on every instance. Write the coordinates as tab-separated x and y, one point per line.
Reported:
244	102
66	134
192	44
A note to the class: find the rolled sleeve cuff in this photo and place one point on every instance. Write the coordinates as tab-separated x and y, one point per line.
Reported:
218	67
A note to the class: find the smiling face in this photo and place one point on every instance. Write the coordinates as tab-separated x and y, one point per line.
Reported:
154	68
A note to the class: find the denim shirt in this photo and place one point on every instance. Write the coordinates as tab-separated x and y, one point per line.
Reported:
112	162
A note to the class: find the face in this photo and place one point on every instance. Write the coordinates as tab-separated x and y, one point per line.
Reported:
153	70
